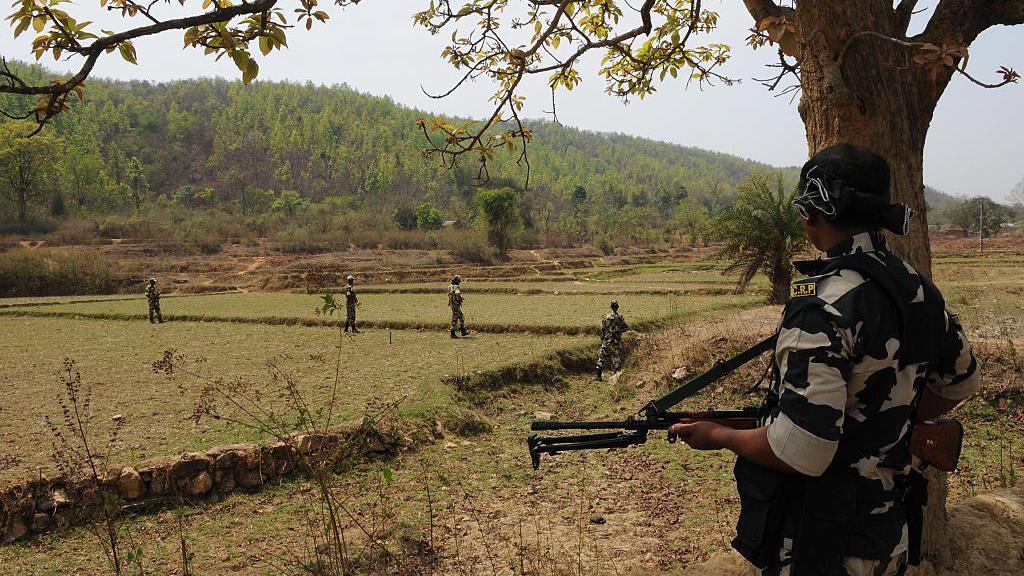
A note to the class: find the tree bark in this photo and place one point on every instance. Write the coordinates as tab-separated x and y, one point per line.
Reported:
866	90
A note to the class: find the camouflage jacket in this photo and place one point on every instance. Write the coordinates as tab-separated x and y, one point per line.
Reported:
152	294
840	377
612	327
454	296
350	295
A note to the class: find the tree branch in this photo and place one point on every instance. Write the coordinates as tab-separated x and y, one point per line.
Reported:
97	48
961	21
761	9
904	11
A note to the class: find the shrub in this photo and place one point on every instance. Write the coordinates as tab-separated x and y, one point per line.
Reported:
43	272
75	233
605	245
300	240
428	218
466	244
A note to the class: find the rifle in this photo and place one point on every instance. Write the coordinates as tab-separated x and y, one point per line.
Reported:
936	442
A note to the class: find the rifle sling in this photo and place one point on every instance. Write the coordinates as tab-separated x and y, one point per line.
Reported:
704	380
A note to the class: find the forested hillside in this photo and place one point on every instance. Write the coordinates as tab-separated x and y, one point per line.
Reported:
215	145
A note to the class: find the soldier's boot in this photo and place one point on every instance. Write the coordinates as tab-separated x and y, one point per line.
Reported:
346	325
354	329
464	331
453	334
599	374
159	318
151	317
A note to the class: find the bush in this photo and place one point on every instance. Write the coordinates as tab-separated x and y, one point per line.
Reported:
300	240
605	245
75	233
467	245
42	272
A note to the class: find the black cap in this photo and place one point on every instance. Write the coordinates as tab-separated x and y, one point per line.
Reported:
850	186
860	168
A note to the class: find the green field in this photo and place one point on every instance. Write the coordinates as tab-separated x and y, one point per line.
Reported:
518	312
116	356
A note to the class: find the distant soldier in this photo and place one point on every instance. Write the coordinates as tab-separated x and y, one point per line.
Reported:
610	354
153	298
350	305
455	303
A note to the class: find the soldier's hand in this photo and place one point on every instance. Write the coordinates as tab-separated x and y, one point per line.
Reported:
699	434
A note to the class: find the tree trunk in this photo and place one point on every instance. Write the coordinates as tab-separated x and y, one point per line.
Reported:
22	201
865	91
781	277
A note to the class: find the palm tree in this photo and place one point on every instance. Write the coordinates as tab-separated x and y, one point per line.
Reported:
761	232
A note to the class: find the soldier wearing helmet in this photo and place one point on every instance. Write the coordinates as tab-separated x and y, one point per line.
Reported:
455	303
609	356
153	299
351	302
865	350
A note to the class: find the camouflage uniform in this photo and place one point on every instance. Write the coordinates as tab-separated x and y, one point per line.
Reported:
842	400
455	303
153	298
350	301
609	357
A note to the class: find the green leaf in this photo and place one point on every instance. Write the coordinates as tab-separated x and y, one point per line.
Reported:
250	71
127	51
265	46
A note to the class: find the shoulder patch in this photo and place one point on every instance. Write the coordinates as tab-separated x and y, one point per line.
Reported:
802	288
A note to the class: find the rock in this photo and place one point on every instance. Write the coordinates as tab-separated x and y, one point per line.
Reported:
16	528
597	519
226	485
545	416
722	564
188	465
614	378
130	484
60	498
250	479
161	484
438	430
680	374
40	523
985	534
199	485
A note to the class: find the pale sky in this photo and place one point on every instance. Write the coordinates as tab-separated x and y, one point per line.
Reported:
974	146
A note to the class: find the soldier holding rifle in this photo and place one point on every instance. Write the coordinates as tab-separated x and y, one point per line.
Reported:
865	350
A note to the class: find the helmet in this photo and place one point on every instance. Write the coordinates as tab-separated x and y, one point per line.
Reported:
456	279
615	304
152	280
350	278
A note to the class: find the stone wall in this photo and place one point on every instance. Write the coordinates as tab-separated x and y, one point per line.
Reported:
44	504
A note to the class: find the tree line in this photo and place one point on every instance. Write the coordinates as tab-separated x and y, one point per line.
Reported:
284	158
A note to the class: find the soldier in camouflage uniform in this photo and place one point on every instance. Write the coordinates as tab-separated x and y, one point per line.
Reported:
455	303
865	348
610	354
153	299
350	305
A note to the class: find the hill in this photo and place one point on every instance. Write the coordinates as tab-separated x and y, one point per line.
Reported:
209	143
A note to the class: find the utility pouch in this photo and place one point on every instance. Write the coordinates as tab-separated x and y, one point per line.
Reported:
916	499
764	500
825	512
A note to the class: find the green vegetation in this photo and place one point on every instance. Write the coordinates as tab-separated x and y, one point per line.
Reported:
42	272
498	206
762	232
541	312
116	357
331	166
